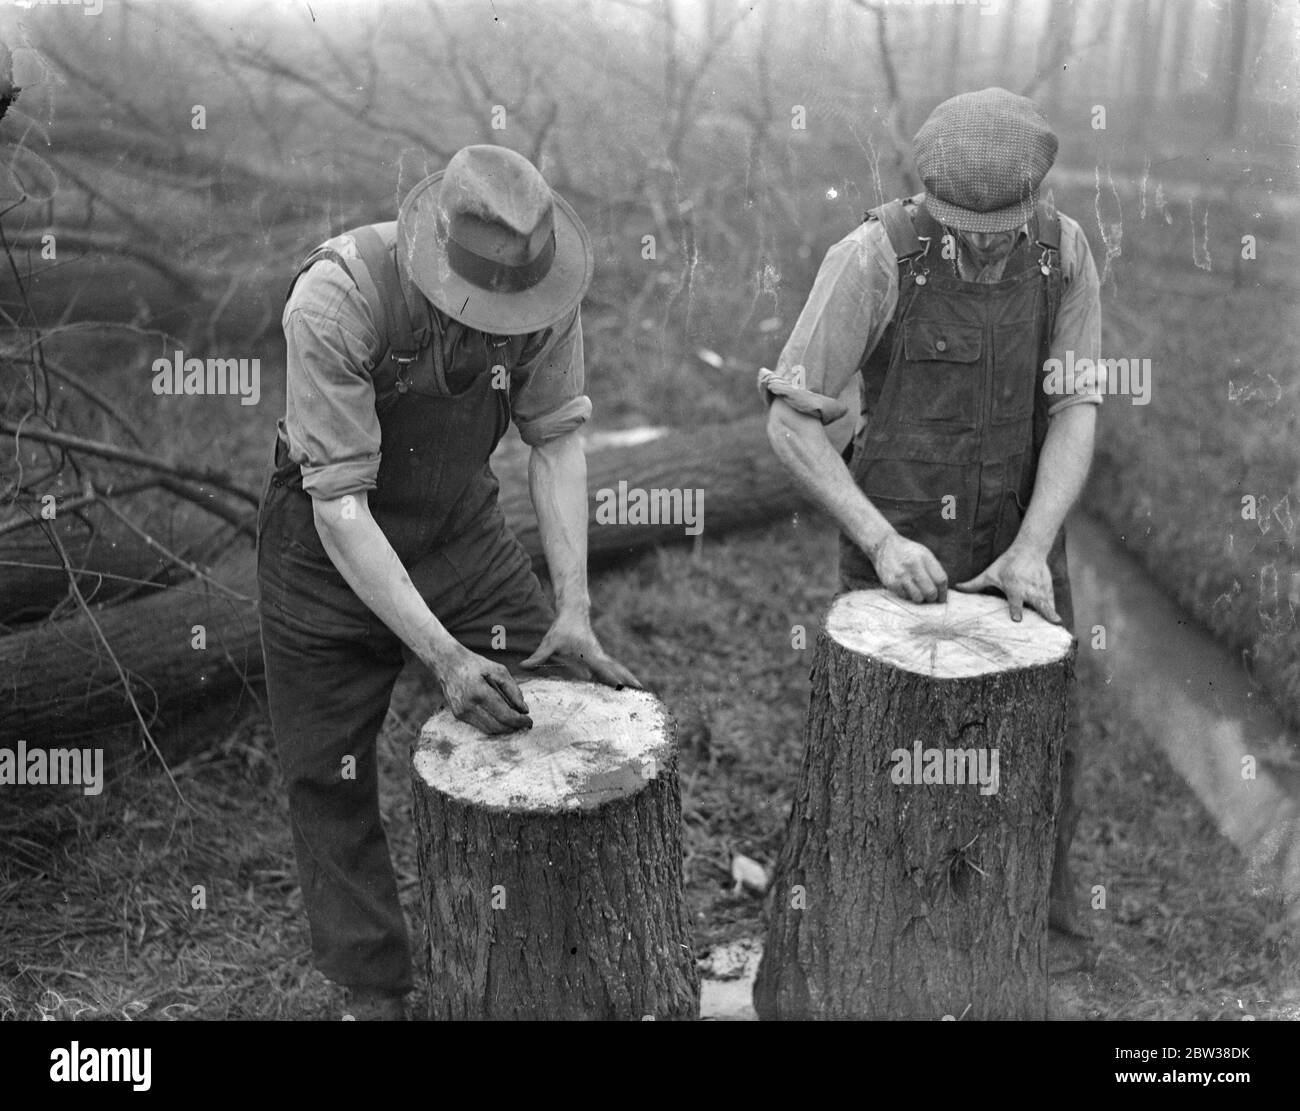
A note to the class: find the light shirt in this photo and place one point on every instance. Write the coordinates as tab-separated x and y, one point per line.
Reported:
330	423
853	300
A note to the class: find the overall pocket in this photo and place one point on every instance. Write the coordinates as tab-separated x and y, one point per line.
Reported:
927	502
939	375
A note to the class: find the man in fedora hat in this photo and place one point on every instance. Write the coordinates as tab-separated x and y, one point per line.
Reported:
930	324
411	345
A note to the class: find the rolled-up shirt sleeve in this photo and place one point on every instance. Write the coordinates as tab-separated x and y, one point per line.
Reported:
1076	339
847	311
546	390
330	422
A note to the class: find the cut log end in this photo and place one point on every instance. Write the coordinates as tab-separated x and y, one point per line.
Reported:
589	745
969	635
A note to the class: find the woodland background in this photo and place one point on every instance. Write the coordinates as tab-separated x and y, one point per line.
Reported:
653	117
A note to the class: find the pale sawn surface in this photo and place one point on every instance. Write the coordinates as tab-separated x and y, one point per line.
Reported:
589	744
968	635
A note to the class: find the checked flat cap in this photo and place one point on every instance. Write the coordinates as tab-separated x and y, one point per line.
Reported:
982	157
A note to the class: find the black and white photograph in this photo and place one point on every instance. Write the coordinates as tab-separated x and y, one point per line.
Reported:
651	510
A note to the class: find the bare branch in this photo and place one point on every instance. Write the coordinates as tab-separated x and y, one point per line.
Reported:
134	458
121	674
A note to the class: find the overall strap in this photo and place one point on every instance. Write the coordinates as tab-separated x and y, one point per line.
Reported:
1048	236
382	276
397	311
898	225
359	275
896	217
1048	221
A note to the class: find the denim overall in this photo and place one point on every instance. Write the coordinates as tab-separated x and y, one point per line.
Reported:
956	418
331	663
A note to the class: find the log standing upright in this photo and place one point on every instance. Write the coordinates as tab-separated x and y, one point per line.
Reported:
900	893
551	862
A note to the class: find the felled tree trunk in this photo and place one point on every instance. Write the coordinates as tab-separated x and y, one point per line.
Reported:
109	564
59	680
33	580
551	862
914	877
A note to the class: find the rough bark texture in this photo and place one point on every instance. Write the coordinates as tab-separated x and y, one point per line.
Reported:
58	681
565	910
918	900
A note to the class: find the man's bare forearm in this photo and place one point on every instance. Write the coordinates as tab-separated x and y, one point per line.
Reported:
800	442
557	483
359	549
1062	470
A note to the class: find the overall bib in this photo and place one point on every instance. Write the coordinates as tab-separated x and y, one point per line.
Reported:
331	664
955	421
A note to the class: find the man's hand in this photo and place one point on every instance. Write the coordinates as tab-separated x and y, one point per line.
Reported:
480	692
1022	575
572	639
910	570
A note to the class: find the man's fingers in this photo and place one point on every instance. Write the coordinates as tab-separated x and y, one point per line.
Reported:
938	576
934	586
922	585
490	701
1016	604
507	718
542	654
1043	604
979	582
627	677
612	673
909	590
504	682
483	722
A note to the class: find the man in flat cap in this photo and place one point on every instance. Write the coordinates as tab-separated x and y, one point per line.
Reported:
411	346
930	324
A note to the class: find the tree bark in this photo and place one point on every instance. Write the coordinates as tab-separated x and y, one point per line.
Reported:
551	862
57	679
913	881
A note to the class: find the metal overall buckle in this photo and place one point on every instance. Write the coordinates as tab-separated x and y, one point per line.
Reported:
402	362
911	260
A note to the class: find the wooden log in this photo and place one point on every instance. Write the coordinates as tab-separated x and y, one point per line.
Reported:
108	563
57	680
551	862
914	876
33	581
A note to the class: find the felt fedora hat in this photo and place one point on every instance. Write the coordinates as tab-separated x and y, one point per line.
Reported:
982	157
492	245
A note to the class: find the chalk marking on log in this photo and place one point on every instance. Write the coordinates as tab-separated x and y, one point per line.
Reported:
969	635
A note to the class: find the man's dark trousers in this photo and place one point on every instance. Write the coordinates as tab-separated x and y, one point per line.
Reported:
331	665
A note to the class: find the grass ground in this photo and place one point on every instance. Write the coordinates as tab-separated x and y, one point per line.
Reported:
1222	425
97	912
